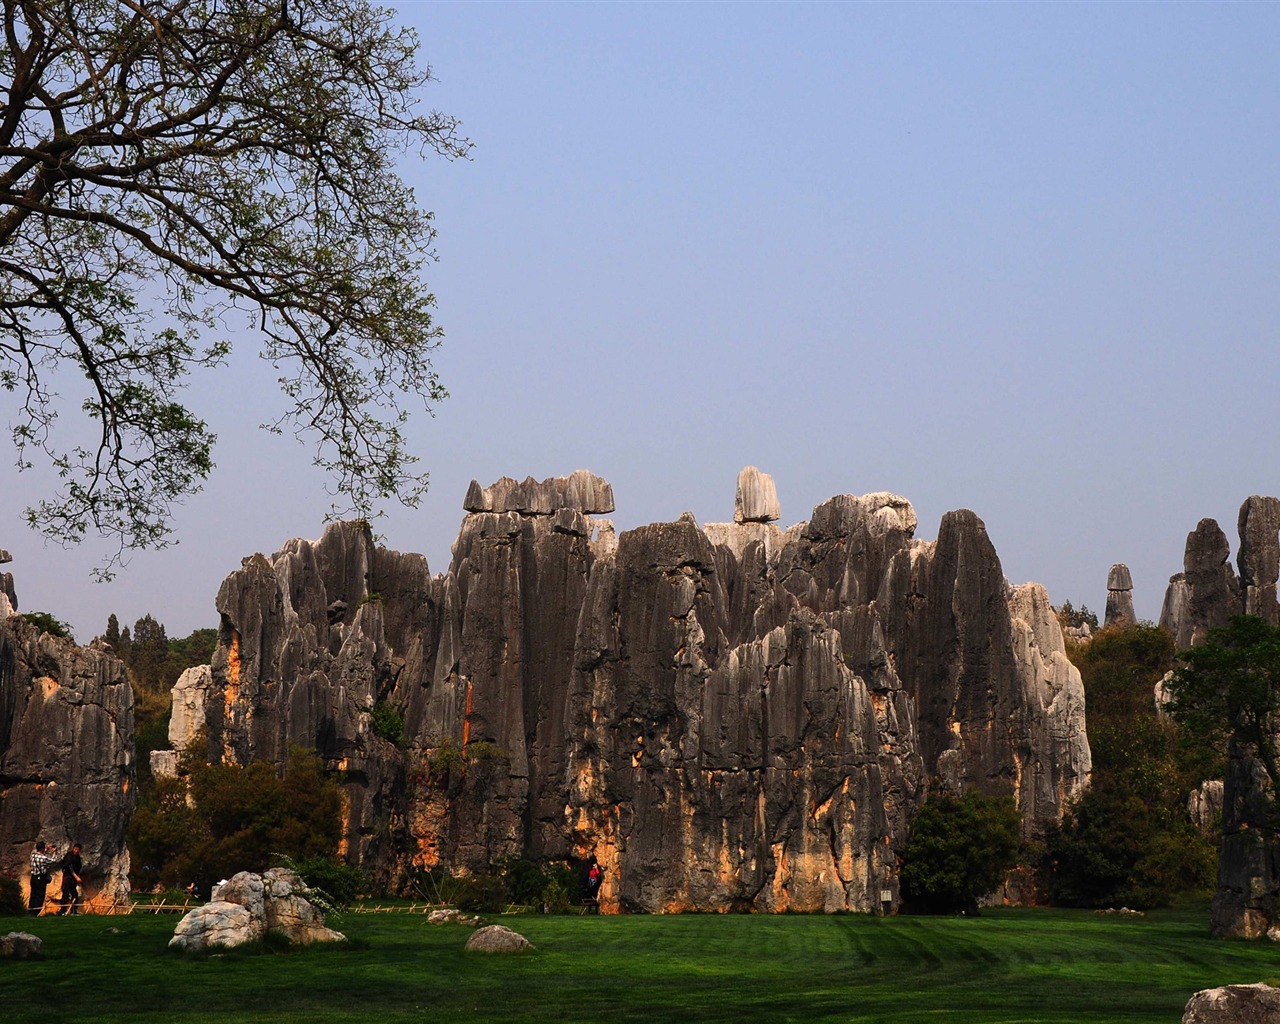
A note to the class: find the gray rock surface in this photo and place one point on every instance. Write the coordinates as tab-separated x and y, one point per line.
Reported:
1206	593
581	491
66	755
495	938
1204	805
217	924
20	946
756	500
1119	611
730	717
247	907
190	695
1259	558
1234	1004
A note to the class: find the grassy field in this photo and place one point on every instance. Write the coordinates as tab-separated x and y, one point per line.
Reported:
1006	966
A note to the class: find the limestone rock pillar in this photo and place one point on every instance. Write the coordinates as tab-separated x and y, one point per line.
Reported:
1120	597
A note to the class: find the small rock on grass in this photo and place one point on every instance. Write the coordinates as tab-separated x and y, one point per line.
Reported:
451	917
497	939
19	945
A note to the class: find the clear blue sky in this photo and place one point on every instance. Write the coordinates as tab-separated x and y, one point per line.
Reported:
1018	258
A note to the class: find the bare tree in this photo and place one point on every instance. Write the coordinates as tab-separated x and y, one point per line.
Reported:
164	163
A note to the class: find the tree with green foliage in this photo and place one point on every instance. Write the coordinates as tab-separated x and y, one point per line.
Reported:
171	168
148	653
1071	616
1127	841
215	820
959	849
1228	688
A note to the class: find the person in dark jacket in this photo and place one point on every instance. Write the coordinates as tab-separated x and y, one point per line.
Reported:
72	865
42	861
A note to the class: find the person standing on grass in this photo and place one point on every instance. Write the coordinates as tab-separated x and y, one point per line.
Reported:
594	877
42	861
71	868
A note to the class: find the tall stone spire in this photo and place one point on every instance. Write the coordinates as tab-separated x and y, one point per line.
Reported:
1120	597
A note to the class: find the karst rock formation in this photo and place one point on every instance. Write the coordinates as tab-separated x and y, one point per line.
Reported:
1204	596
66	752
726	717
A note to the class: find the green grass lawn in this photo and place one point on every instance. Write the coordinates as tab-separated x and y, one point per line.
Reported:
1006	966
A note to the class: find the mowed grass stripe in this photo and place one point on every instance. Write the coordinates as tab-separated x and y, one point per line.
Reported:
1006	967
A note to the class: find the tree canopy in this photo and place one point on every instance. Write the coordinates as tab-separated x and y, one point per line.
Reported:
214	820
170	166
1229	687
959	849
1127	840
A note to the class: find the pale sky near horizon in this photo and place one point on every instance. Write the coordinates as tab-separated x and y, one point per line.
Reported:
1018	258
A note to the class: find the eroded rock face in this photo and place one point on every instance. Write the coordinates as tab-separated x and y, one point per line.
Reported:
1206	593
756	500
1204	805
66	755
1259	559
729	717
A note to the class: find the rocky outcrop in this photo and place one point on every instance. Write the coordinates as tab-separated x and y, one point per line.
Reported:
1120	597
1234	1004
1206	593
189	699
1204	805
66	755
248	907
756	500
8	599
1259	559
726	717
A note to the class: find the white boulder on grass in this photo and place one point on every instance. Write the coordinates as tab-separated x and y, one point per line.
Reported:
497	939
247	907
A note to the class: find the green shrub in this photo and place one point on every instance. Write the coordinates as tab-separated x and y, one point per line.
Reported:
556	899
11	904
226	818
388	722
525	881
435	885
46	623
484	894
958	850
444	759
340	882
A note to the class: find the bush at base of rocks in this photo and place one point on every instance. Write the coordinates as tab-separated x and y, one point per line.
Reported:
11	904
